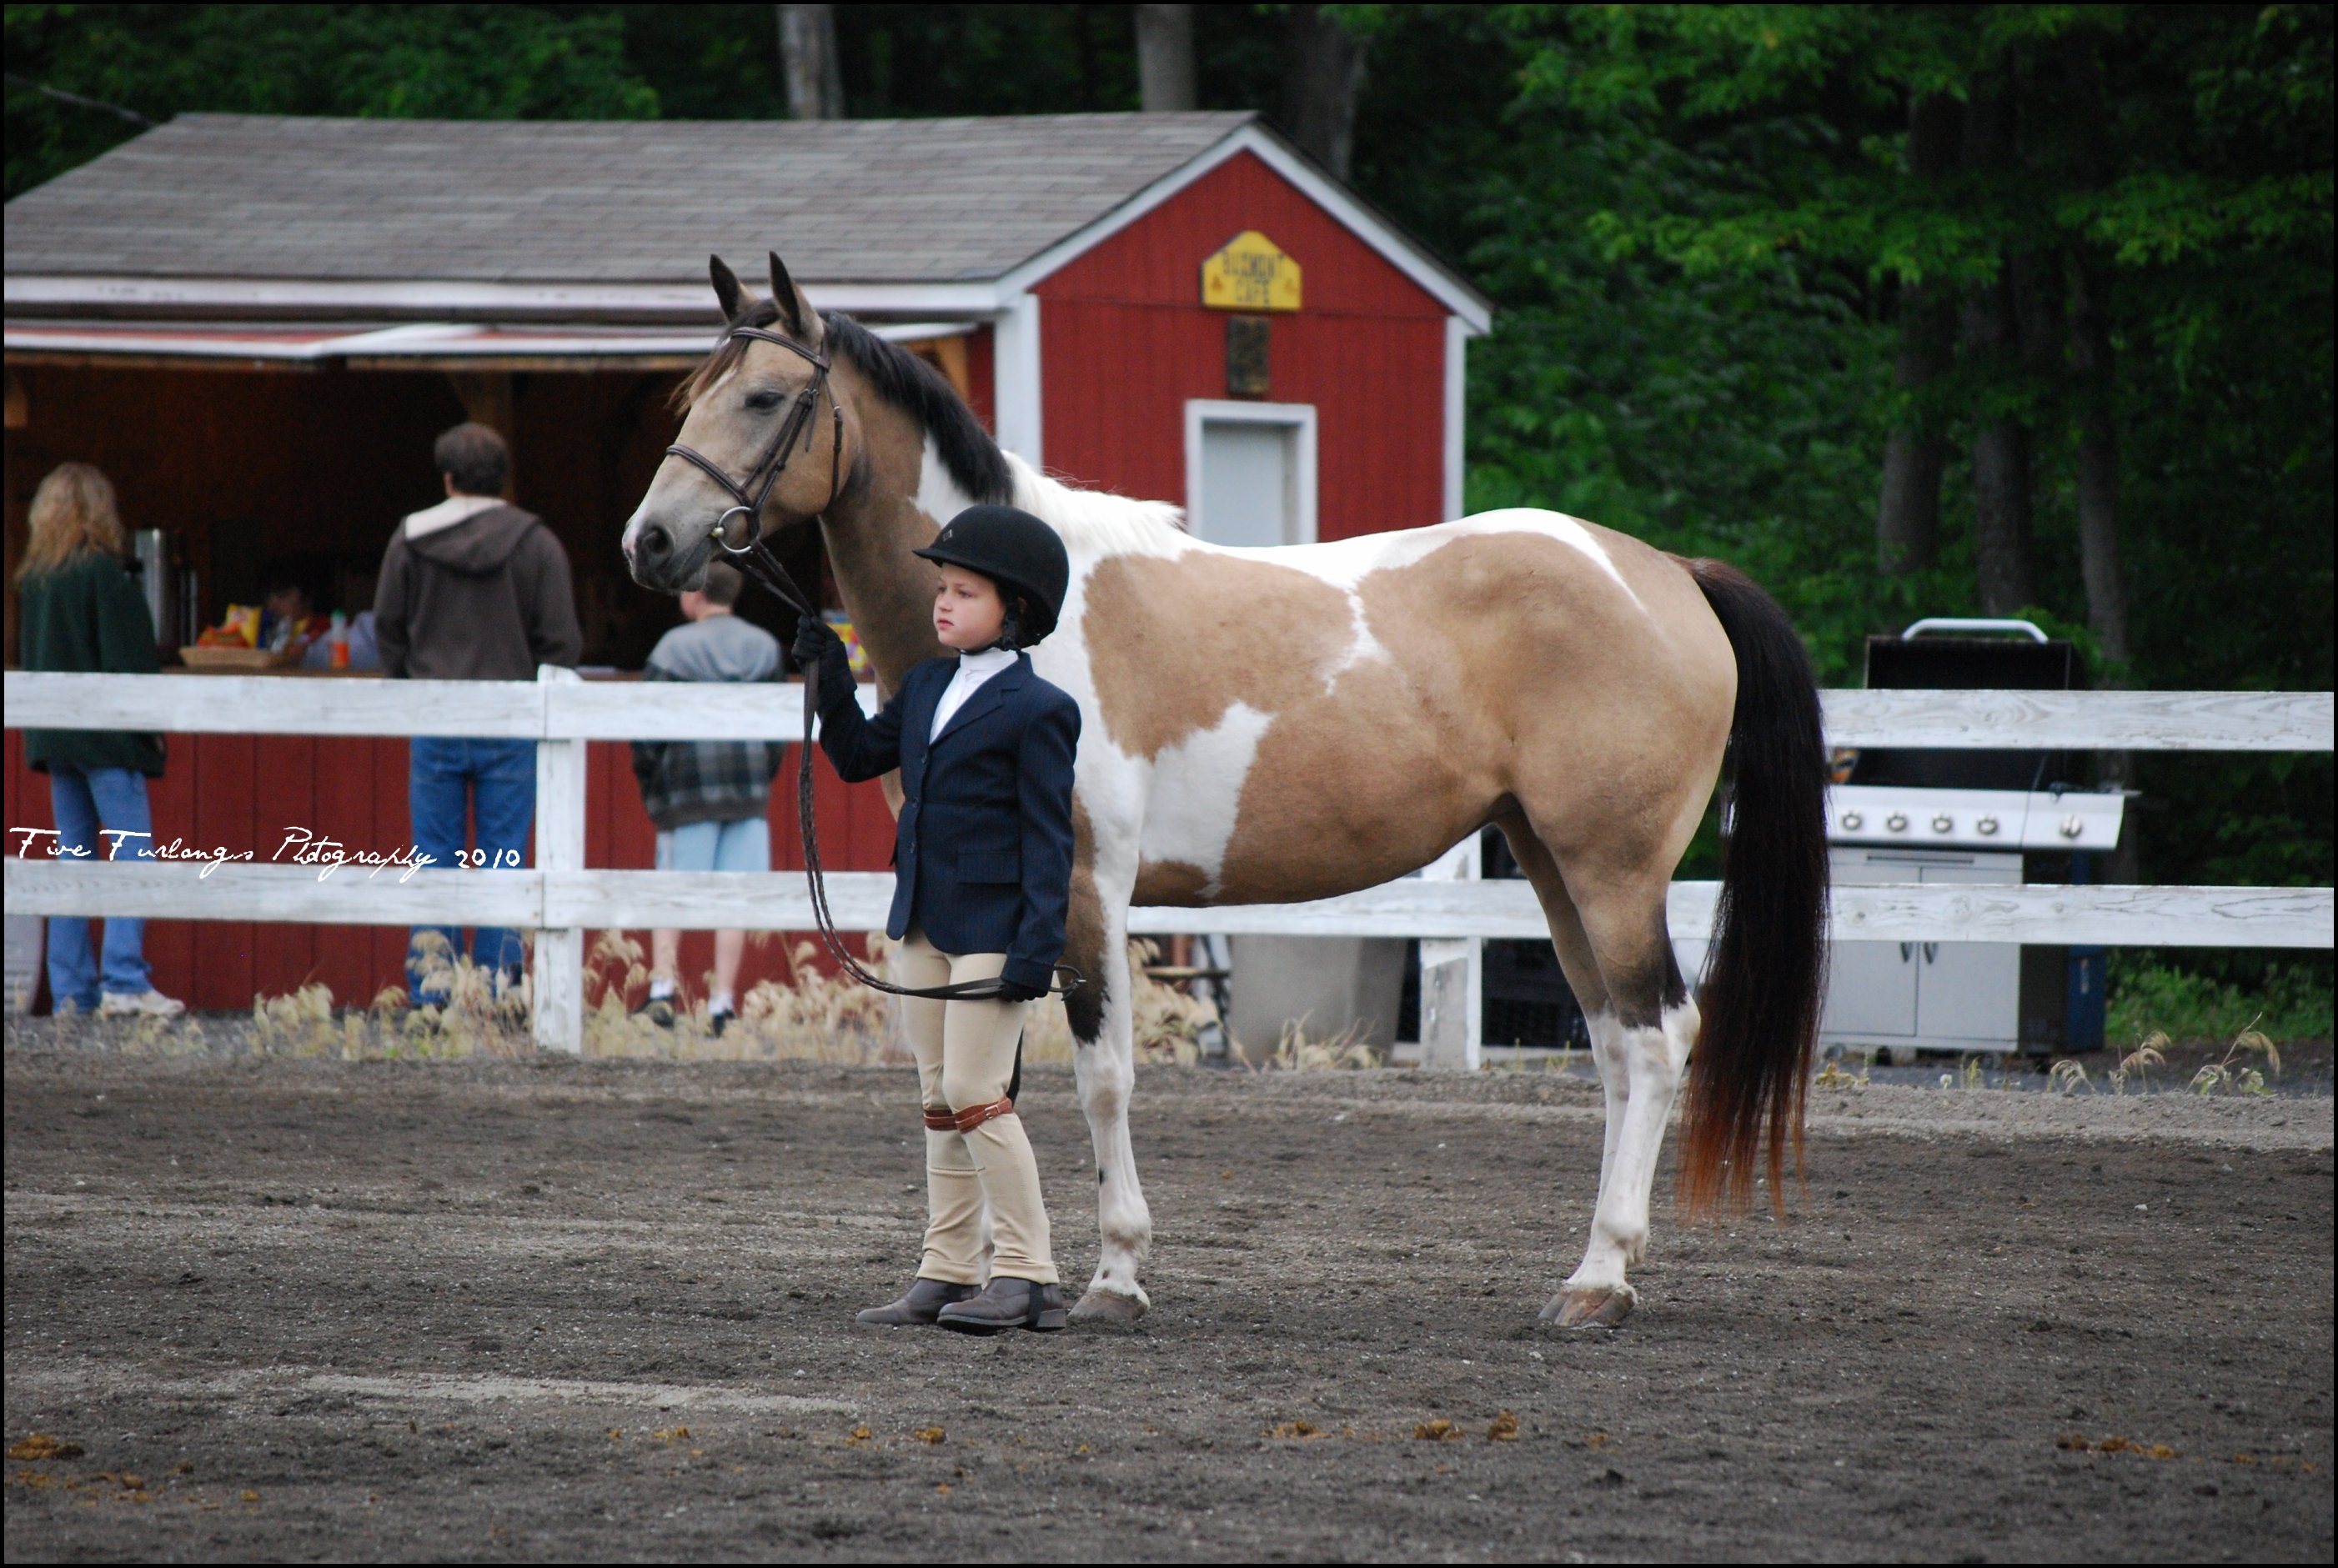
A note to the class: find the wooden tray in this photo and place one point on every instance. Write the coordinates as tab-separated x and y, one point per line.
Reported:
244	659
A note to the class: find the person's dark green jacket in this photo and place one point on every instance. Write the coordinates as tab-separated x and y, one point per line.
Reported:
88	617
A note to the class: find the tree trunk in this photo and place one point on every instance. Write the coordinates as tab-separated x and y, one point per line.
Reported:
2098	468
2098	464
2099	530
1164	56
2001	463
1323	78
808	59
1908	520
2001	453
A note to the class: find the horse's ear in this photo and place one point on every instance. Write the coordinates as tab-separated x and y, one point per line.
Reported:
796	313
727	292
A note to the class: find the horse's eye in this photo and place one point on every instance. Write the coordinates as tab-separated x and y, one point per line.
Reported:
763	402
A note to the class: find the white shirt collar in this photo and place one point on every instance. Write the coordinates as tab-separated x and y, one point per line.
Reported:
986	662
973	670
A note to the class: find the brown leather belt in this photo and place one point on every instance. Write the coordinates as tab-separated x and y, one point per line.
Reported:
944	1119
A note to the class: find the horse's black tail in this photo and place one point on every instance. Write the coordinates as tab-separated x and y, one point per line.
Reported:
1767	975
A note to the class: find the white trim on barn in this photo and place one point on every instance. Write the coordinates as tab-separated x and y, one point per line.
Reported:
434	342
1457	409
1015	387
254	297
1298	418
1433	280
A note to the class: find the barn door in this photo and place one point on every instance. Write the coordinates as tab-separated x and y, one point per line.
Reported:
1250	472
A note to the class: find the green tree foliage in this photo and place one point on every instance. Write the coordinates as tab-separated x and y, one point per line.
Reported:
1700	224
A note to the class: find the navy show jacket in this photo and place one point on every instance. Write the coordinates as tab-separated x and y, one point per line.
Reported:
982	855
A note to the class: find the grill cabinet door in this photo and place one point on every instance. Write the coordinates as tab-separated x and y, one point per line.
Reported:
1870	986
1970	992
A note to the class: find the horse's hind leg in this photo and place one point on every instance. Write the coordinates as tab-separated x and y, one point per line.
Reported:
1648	1023
1573	945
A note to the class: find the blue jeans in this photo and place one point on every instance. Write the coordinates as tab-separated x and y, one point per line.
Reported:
115	798
453	786
741	846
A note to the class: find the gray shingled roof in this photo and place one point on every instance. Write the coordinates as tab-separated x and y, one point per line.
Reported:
843	200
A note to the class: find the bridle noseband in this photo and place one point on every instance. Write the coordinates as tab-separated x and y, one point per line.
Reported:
751	492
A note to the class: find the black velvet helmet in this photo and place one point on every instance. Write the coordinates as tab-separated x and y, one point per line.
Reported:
1017	552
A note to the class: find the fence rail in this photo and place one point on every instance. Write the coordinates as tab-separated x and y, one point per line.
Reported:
560	898
777	901
651	710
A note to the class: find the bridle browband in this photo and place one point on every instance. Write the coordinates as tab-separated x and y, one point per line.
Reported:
757	561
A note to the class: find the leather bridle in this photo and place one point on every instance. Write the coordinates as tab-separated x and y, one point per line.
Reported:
758	562
795	430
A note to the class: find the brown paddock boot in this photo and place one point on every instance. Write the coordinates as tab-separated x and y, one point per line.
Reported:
1007	1303
920	1307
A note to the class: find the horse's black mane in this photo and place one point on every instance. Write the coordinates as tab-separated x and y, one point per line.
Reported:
909	382
901	378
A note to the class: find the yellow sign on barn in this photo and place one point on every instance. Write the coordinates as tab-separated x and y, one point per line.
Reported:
1252	273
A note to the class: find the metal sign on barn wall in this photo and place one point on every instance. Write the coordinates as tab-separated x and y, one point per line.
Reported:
1252	273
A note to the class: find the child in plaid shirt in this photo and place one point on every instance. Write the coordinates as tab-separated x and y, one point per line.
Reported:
711	800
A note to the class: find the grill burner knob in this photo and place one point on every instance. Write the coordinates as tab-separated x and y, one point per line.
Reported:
1851	821
1897	821
1942	824
2073	825
1988	826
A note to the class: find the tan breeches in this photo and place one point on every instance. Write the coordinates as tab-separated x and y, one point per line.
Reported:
966	1055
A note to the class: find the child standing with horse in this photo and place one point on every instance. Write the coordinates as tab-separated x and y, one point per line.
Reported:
983	859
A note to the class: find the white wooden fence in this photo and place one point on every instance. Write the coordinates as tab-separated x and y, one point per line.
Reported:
560	899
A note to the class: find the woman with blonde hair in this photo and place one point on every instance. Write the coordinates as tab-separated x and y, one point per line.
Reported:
79	611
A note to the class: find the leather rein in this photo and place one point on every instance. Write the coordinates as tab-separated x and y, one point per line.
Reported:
756	560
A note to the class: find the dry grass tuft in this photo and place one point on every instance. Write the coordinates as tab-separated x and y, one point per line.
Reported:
1343	1052
812	1017
2224	1076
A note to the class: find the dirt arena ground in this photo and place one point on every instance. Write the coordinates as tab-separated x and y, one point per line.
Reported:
272	1309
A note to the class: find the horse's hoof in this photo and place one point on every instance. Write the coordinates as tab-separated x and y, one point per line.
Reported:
1591	1305
1108	1309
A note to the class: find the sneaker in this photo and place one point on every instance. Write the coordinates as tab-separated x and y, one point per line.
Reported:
658	1010
717	1022
144	1003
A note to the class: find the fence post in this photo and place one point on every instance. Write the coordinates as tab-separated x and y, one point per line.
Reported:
559	969
1452	978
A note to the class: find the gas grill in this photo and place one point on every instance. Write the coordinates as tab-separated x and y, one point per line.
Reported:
1976	818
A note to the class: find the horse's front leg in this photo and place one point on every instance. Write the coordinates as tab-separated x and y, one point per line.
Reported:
1104	1060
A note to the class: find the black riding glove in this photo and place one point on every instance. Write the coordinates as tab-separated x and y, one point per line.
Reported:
816	642
1013	991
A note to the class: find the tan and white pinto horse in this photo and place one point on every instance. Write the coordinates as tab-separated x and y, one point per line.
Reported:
1281	724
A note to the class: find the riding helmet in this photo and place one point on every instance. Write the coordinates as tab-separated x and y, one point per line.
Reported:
1017	552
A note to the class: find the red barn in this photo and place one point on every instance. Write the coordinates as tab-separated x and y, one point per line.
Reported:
255	325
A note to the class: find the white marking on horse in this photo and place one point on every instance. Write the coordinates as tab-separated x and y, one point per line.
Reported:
1344	562
1197	789
939	495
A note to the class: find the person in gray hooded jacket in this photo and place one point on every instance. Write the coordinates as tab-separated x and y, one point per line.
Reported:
472	589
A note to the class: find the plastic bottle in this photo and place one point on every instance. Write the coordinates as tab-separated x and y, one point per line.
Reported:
337	640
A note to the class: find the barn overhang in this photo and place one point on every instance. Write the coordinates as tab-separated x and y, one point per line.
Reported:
411	345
